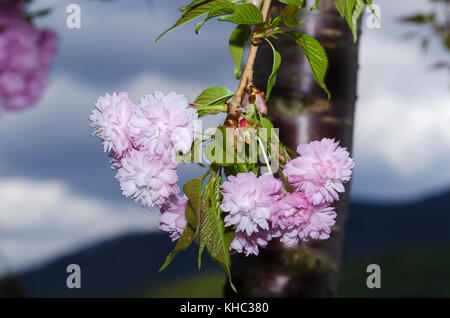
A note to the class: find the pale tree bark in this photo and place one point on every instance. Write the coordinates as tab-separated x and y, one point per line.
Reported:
301	111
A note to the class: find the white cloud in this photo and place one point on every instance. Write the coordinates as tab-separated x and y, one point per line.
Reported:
42	219
402	124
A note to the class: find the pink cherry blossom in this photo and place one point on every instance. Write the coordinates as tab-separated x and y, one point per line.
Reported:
111	120
243	243
162	123
319	225
173	219
148	181
297	218
247	199
320	171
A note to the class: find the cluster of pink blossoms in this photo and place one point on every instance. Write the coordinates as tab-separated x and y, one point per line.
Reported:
143	141
259	208
25	57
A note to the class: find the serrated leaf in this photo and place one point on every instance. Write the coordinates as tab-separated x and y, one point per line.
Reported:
351	10
193	190
212	231
298	3
289	15
192	12
316	55
237	42
214	95
186	237
273	76
341	7
245	14
216	11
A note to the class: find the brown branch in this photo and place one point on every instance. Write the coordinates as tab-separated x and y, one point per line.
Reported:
234	107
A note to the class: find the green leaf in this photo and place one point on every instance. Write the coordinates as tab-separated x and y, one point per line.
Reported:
199	258
193	190
351	10
273	76
345	8
349	6
298	3
266	123
358	10
316	56
212	232
341	7
192	11
237	42
369	3
208	109
289	15
214	95
315	6
245	14
218	10
186	238
193	4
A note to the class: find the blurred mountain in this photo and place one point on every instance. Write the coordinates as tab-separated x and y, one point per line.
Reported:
374	227
114	268
129	264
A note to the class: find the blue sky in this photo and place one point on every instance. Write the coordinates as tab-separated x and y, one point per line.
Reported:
57	191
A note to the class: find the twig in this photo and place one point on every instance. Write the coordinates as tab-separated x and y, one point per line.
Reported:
234	107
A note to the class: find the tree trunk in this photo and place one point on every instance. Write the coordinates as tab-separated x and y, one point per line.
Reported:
300	108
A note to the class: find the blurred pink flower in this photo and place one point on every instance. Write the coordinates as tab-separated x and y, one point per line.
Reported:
148	181
173	219
247	200
320	171
111	119
25	56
